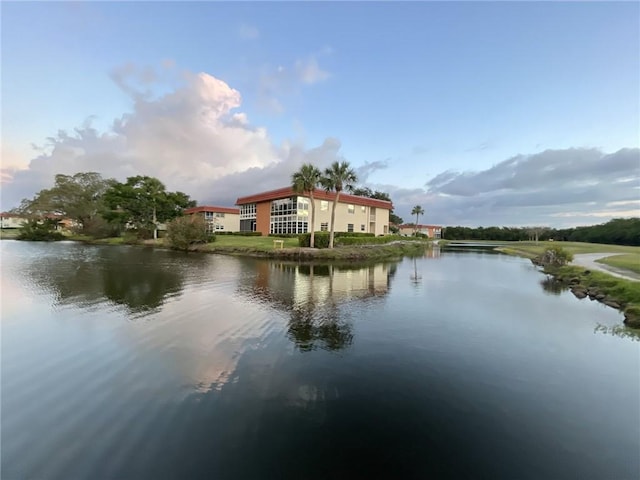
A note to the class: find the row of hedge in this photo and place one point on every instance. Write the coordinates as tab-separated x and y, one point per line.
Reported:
321	239
240	234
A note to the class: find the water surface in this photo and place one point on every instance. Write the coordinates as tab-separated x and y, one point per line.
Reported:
124	362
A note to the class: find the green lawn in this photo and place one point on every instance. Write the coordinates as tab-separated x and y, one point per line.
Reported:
531	249
629	261
258	243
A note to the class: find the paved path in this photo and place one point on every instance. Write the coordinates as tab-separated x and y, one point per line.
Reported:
588	260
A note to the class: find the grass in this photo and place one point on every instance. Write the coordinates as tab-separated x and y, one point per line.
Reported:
629	261
533	249
256	243
9	233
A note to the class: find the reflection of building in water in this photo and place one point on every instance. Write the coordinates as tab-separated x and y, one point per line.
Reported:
432	252
298	284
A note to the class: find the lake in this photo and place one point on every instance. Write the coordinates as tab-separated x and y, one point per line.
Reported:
127	362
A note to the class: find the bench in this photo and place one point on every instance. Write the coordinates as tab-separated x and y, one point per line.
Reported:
279	243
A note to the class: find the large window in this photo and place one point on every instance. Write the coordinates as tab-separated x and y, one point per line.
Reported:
248	211
351	209
289	215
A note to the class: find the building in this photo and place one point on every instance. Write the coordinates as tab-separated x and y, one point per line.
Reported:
285	211
431	231
218	218
11	220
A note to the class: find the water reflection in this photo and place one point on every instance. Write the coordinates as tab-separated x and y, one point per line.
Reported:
138	279
312	295
552	286
618	331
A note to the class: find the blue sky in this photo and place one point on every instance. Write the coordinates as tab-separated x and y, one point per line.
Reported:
225	99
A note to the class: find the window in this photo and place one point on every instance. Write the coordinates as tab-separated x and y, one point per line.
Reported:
219	226
351	209
324	205
324	227
362	227
363	209
248	211
219	215
289	215
350	227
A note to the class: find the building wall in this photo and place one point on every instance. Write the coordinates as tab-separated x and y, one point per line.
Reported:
263	216
11	221
430	231
363	218
230	222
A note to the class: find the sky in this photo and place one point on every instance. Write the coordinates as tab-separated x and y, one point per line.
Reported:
483	113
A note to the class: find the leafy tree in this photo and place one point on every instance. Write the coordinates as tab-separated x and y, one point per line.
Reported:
142	202
182	232
417	211
305	180
78	197
338	177
40	230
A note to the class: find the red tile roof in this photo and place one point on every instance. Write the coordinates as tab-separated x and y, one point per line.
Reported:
317	194
210	208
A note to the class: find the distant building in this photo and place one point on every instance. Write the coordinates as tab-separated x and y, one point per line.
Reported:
11	220
218	218
284	211
431	231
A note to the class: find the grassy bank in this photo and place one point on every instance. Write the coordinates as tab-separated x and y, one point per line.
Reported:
265	247
627	261
533	249
9	233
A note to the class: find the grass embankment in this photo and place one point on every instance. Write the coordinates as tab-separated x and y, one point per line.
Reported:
254	246
9	233
615	292
627	261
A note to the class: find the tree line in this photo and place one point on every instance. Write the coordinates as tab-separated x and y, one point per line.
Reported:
105	207
619	231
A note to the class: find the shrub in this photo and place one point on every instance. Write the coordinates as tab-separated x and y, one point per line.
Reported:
366	240
321	240
241	234
40	231
554	256
183	232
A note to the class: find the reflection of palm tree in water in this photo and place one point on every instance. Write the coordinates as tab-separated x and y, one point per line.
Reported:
314	324
416	278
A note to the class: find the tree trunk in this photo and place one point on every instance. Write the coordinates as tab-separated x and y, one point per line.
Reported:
333	219
155	225
313	220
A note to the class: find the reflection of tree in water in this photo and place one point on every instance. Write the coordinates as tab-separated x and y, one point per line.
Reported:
311	327
139	279
621	331
552	286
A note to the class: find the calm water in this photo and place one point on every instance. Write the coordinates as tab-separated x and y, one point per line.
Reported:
122	362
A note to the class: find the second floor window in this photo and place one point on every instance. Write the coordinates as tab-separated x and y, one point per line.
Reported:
351	208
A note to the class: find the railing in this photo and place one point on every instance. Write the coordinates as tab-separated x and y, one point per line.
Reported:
372	218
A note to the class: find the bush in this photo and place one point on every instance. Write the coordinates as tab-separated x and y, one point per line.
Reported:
183	232
284	235
241	234
40	231
345	238
554	256
366	240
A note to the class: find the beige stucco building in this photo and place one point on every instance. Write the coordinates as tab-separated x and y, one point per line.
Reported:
431	231
285	211
11	220
218	218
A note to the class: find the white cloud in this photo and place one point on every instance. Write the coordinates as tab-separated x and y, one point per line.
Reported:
193	138
308	71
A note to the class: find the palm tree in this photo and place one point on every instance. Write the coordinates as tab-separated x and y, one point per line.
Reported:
417	211
338	177
305	181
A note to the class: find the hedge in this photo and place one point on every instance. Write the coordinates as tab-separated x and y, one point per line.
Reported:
240	234
344	238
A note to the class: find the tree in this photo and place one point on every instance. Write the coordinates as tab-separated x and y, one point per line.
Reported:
417	211
142	202
78	197
305	180
338	177
182	232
